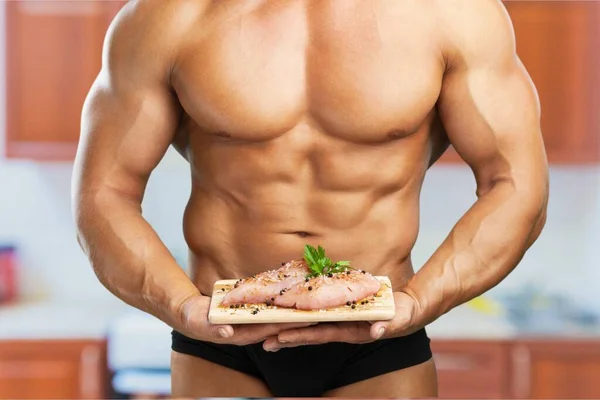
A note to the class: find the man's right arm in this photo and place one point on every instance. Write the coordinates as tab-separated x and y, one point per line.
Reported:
128	122
130	118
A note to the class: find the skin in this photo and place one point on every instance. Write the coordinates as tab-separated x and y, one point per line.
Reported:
307	122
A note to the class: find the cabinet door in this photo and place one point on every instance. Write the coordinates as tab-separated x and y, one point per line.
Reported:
559	44
53	369
472	369
54	51
556	370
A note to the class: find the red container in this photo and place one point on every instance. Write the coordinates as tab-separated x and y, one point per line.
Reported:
8	273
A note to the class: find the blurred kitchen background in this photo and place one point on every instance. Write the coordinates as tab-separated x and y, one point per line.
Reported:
62	335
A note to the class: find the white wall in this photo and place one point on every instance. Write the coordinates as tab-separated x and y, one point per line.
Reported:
35	214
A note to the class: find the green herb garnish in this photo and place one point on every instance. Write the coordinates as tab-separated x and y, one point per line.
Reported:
319	264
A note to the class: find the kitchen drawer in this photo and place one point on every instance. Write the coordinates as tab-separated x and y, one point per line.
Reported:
472	369
556	369
53	369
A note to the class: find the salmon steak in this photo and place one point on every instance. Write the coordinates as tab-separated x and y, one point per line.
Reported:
264	287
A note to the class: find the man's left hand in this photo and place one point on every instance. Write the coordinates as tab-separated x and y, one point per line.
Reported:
402	324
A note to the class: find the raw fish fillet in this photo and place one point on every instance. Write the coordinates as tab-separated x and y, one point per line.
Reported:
266	286
325	292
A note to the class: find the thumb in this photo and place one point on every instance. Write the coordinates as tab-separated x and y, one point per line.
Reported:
379	329
221	331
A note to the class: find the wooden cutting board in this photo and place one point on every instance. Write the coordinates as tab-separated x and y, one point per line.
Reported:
381	308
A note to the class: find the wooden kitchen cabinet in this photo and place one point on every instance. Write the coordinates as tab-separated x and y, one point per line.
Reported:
559	44
53	54
470	369
557	369
53	369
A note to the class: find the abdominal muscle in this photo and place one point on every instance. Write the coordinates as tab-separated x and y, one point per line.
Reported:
255	205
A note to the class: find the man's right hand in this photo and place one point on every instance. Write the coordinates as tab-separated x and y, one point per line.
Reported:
195	324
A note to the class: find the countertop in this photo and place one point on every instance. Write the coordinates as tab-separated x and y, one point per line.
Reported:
59	319
93	320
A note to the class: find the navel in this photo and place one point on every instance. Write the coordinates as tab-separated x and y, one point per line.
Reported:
302	234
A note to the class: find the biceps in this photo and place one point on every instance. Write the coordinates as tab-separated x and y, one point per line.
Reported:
492	120
124	135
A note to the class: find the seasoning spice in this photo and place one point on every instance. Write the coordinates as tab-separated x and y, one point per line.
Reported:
353	306
348	303
310	288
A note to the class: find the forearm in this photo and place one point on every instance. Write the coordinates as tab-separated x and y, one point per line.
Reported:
483	248
128	257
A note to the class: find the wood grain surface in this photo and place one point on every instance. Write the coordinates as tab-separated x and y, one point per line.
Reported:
380	308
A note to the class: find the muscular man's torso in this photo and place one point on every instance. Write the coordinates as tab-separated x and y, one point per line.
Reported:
307	122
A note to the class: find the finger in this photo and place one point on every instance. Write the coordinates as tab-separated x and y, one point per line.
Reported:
271	344
349	333
265	330
255	333
379	329
326	333
220	331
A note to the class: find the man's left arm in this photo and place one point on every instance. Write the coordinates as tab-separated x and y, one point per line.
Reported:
491	114
490	110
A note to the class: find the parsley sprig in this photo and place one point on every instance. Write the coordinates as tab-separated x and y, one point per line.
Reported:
319	264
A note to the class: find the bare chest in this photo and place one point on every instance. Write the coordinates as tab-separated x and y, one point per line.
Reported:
361	71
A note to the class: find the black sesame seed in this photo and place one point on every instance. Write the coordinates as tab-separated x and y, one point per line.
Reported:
268	303
310	288
231	306
347	272
280	292
272	298
353	306
354	302
283	263
237	306
330	274
348	303
306	280
363	271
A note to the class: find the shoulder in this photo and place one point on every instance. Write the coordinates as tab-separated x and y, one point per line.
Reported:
145	32
475	31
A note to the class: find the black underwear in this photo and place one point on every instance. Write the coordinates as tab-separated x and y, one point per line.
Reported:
310	371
